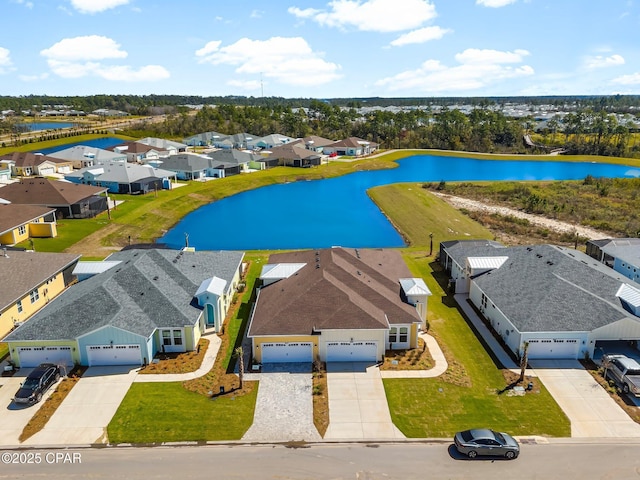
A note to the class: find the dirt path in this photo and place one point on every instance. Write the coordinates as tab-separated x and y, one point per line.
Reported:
557	225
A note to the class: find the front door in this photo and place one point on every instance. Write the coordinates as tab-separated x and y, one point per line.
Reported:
211	317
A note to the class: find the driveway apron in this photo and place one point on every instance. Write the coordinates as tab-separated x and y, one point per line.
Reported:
358	406
592	412
284	407
83	416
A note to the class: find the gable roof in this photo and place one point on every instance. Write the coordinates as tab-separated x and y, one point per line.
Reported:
460	250
353	142
149	289
125	173
133	147
292	151
232	158
42	191
162	143
336	289
549	288
625	249
21	272
83	152
30	159
414	286
185	162
14	215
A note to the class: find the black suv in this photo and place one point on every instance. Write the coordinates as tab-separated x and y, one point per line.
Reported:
37	383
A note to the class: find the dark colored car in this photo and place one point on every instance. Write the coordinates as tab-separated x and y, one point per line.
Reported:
483	441
37	383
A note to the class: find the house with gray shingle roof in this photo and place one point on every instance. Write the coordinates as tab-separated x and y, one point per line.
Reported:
30	280
209	139
154	300
163	144
124	177
294	155
82	156
336	304
233	162
559	301
187	166
621	254
352	146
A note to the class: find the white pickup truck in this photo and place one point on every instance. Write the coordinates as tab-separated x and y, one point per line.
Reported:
624	370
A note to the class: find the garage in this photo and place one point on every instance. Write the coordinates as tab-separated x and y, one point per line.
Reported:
113	355
34	356
553	348
352	351
287	352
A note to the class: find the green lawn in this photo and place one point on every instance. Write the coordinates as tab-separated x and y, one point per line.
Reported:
468	397
166	412
4	350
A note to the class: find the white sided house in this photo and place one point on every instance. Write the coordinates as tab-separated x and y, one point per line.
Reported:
336	305
559	301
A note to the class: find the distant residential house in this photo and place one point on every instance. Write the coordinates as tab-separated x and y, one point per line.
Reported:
268	142
153	301
163	144
294	155
124	177
454	254
315	143
108	112
26	164
187	166
21	222
233	162
621	254
82	156
336	305
208	139
352	146
139	152
30	280
69	200
242	141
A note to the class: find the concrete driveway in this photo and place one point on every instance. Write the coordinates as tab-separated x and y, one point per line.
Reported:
592	412
358	406
83	416
13	418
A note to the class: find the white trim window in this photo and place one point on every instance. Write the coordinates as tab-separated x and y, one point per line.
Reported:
22	230
34	296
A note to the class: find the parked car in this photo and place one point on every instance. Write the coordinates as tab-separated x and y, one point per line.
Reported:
37	383
624	371
484	441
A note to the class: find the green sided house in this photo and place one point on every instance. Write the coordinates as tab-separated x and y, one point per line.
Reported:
336	305
149	301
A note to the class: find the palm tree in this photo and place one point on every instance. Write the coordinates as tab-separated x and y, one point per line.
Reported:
523	360
239	352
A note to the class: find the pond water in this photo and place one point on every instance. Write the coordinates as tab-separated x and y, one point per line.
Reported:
337	211
104	142
36	126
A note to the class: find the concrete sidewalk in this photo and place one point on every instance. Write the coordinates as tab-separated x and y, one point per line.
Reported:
207	364
440	363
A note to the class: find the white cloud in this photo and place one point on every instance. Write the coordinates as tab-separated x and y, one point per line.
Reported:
250	85
27	4
495	3
289	60
81	56
632	79
6	65
91	47
371	15
96	6
421	35
256	14
33	78
477	69
599	61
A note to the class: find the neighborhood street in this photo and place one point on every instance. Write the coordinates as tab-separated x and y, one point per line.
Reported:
406	461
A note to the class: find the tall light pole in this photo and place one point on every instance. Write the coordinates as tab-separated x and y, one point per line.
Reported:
430	244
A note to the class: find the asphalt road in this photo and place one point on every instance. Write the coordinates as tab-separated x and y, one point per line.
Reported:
402	461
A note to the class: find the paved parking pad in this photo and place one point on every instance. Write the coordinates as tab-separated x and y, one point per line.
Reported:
83	416
13	418
592	412
358	406
284	407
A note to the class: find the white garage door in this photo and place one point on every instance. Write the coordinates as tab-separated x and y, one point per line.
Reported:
287	352
47	171
352	352
114	355
553	348
34	356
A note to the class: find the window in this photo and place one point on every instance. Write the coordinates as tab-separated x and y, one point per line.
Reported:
22	230
393	335
19	305
177	337
403	334
34	296
166	337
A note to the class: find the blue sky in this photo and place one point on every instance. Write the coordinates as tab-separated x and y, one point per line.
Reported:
320	49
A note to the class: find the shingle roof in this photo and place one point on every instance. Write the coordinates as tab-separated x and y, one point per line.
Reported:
21	272
30	159
353	142
548	288
149	289
292	151
186	162
14	215
83	152
459	250
42	191
127	172
232	158
336	289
